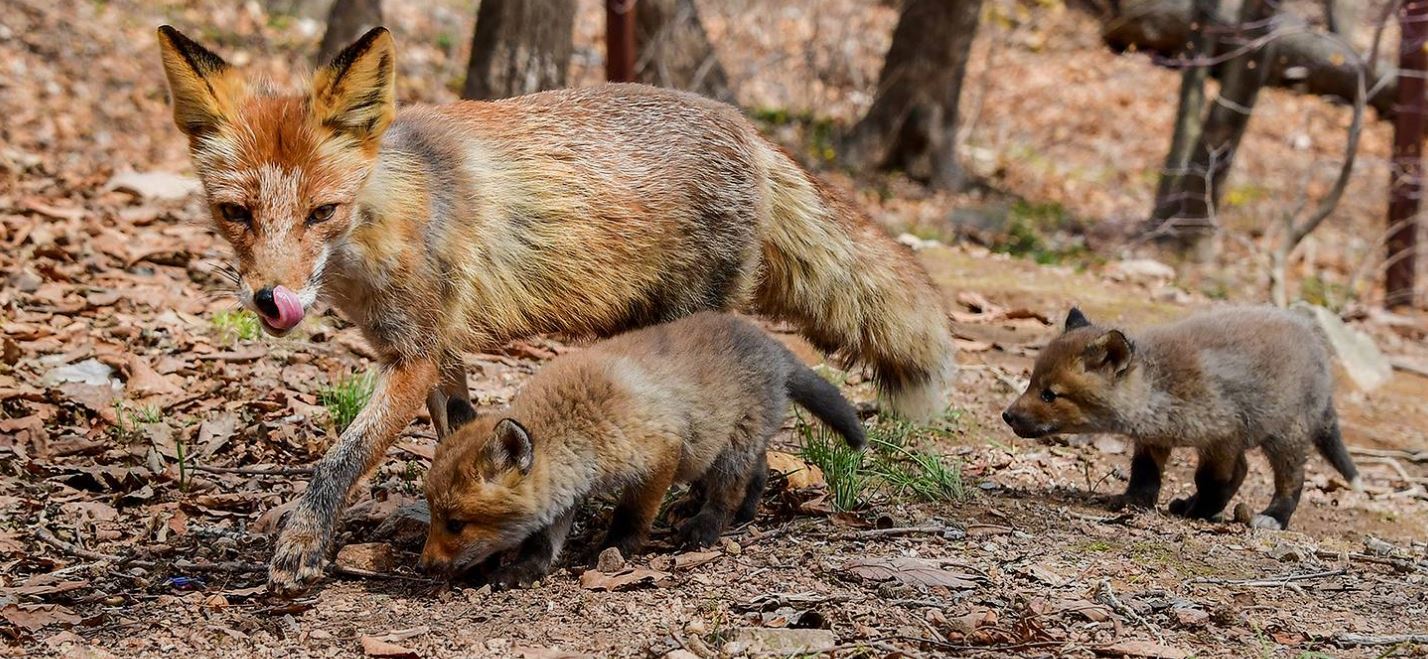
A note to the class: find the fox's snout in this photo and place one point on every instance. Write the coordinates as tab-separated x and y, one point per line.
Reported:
1024	425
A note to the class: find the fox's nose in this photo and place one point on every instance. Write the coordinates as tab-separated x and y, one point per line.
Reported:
1008	418
263	299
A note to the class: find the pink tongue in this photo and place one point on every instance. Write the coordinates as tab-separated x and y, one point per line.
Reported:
289	309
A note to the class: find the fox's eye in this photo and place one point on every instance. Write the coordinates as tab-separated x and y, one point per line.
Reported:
455	526
235	213
321	214
1048	395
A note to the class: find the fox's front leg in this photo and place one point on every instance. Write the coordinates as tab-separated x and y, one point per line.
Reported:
302	548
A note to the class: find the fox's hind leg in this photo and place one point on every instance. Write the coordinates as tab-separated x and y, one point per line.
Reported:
630	524
1287	460
753	491
451	386
1217	478
1147	465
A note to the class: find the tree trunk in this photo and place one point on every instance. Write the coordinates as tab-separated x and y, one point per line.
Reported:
347	20
1305	61
620	40
1187	223
1190	114
1406	182
519	47
674	50
912	124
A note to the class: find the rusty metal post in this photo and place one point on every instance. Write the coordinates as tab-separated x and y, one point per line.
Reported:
620	40
1406	182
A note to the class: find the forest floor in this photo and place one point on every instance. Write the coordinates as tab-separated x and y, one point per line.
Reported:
137	410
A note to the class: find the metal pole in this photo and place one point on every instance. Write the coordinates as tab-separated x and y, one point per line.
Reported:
620	40
1406	184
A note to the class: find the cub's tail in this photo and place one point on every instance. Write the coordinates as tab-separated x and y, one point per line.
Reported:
1331	445
852	290
820	397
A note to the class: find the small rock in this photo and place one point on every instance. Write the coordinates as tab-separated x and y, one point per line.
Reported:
407	526
610	561
680	654
1190	617
89	371
662	563
1379	547
1362	359
368	556
1140	270
1286	553
917	244
781	642
732	548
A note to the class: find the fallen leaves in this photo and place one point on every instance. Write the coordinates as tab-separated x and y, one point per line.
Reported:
910	571
37	616
1141	649
626	579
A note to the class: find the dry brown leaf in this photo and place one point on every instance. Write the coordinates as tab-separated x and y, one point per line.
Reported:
1142	649
799	474
626	579
374	646
35	616
145	381
693	559
910	571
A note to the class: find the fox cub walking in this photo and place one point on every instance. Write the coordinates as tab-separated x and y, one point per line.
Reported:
692	401
1221	382
443	229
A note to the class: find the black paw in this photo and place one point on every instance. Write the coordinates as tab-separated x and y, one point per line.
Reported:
702	530
1134	501
1182	507
518	575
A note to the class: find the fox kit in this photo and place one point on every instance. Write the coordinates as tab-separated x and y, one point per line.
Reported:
443	229
1220	382
692	401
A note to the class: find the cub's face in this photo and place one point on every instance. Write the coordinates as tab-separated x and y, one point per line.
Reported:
1073	382
480	495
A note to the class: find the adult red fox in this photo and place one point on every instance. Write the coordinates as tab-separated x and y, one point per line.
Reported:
448	228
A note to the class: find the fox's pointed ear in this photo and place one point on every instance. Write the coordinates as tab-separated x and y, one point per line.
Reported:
513	445
357	93
201	83
1076	320
459	412
1110	352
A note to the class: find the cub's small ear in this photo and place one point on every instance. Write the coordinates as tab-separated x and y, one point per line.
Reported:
513	445
1111	352
459	412
1076	319
357	93
202	85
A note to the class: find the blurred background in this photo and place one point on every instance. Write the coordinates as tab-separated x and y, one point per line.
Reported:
1071	132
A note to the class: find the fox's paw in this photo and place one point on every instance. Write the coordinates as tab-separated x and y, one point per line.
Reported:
520	574
1265	522
300	557
1183	506
1133	501
702	530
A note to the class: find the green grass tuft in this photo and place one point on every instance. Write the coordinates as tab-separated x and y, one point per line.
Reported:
346	398
236	325
887	466
129	421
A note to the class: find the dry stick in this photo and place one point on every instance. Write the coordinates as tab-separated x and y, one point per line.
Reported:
1273	581
255	471
1371	639
895	531
1107	595
1418	457
1398	563
45	536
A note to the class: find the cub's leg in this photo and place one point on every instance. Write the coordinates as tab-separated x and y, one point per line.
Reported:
725	486
1287	460
753	491
630	524
1217	478
1147	465
532	560
451	386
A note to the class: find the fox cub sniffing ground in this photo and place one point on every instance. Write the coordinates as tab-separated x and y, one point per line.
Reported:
1220	382
443	229
693	401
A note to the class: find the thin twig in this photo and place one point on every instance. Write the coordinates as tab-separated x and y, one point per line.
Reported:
255	471
1107	595
1374	639
896	531
1270	582
45	536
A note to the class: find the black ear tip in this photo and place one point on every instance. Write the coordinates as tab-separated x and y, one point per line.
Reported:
1075	319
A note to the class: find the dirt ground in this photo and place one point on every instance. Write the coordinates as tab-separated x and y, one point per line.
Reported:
148	440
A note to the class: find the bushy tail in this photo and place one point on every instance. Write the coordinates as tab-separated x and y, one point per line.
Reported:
1331	445
820	397
853	290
